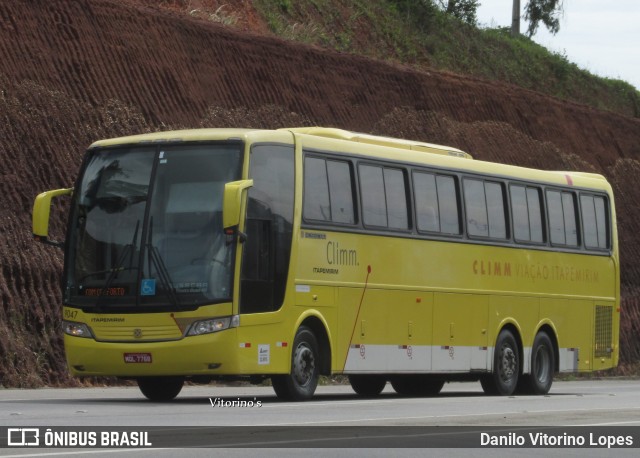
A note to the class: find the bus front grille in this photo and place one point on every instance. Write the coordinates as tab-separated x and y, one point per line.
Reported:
136	334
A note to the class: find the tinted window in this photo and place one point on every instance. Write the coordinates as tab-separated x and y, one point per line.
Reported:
155	239
602	220
562	218
535	214
495	210
384	197
476	206
396	195
527	217
426	196
341	192
594	221
520	211
374	205
484	202
266	252
556	217
570	223
328	191
436	203
316	190
448	204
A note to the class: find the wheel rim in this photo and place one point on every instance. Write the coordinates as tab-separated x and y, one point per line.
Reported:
542	359
508	364
304	365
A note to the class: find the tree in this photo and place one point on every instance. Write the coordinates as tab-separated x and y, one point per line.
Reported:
535	12
465	10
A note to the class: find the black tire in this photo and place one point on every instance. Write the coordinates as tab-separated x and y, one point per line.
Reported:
506	366
416	385
301	383
543	363
367	385
160	389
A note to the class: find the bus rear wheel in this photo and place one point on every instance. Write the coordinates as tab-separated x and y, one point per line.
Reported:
160	389
416	385
301	382
506	366
367	385
542	367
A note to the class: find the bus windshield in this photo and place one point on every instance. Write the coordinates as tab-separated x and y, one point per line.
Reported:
146	227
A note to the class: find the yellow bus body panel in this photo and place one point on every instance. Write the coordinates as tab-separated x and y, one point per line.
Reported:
233	351
388	302
453	298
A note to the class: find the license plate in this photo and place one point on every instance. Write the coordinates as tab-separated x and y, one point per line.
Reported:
137	358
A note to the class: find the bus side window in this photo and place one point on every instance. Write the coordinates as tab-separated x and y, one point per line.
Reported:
396	195
476	207
269	227
384	197
496	210
374	203
449	205
602	219
341	192
535	214
562	218
426	198
556	218
520	211
594	222
527	216
328	191
436	200
316	190
485	206
570	218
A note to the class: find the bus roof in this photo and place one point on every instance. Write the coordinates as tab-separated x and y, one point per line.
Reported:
444	157
340	134
406	150
176	136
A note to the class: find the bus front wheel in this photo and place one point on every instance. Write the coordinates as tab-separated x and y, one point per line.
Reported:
367	385
160	389
301	382
506	366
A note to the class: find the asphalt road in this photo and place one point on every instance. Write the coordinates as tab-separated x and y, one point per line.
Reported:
389	424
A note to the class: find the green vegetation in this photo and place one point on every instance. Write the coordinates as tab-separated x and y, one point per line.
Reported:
419	33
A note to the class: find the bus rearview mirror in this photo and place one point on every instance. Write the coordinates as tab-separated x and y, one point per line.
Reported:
232	203
41	213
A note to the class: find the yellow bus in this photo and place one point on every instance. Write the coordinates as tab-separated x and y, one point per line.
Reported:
293	253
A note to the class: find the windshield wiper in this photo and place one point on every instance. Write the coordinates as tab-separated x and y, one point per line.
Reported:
128	249
155	259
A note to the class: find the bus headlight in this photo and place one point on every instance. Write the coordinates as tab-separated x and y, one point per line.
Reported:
76	329
213	325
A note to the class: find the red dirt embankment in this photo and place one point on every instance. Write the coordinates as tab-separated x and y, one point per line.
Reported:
73	71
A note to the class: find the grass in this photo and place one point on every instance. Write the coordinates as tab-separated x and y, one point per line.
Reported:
415	32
